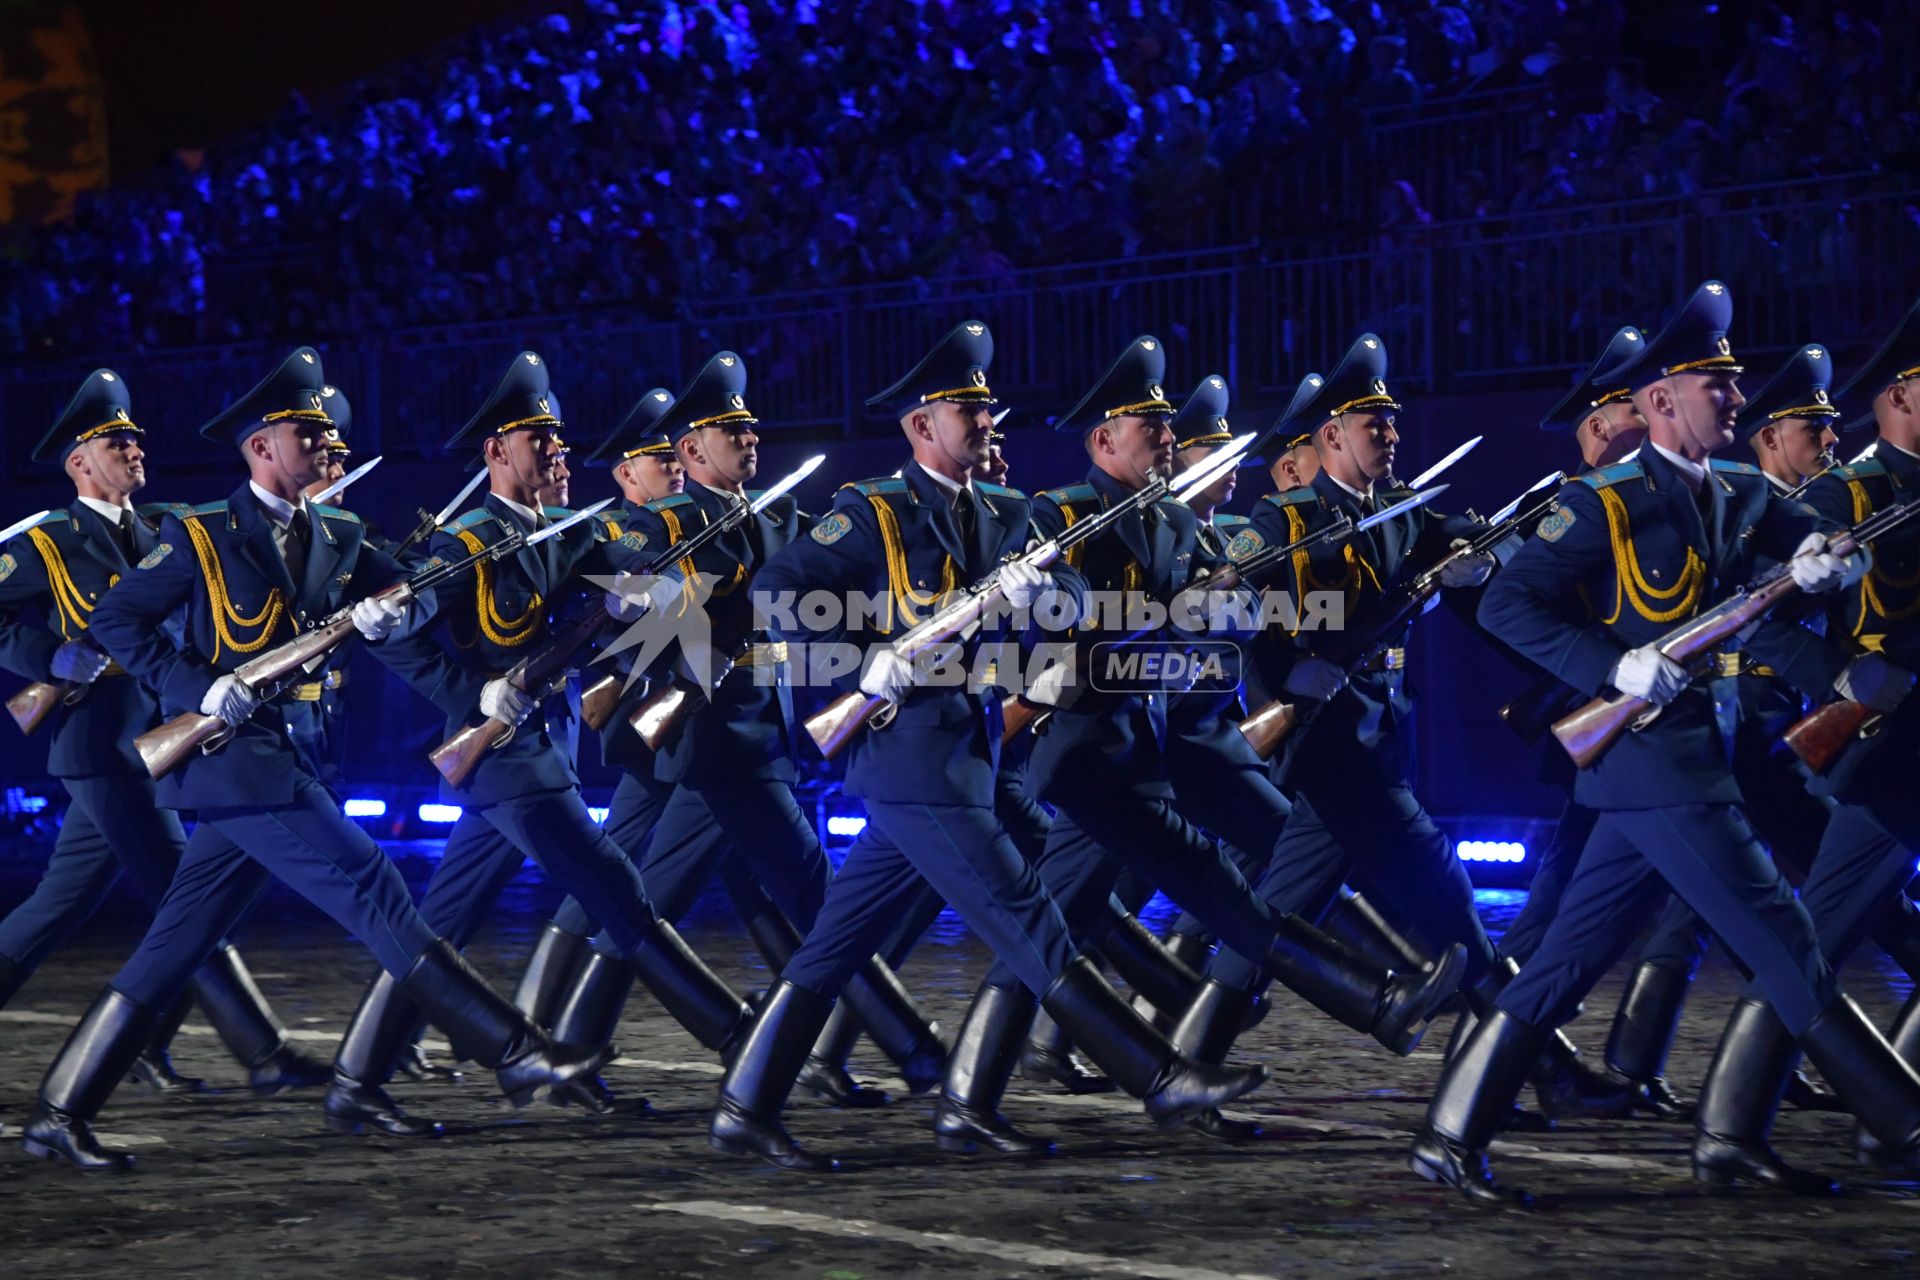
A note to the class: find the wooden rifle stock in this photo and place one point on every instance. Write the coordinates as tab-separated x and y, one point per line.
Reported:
33	704
1532	713
1819	738
599	700
834	727
163	749
1017	715
460	755
1268	727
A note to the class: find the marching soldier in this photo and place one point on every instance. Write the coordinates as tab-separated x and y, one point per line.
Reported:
51	581
1865	856
1103	759
729	763
1630	550
244	574
927	779
523	798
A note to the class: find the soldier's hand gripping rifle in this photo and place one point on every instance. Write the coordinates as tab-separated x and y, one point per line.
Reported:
36	702
1590	730
538	673
834	726
163	749
1018	713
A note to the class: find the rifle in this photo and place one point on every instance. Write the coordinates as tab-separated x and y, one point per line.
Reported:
1591	729
429	521
1352	648
834	726
1017	713
1533	712
164	748
662	711
461	754
1819	737
33	704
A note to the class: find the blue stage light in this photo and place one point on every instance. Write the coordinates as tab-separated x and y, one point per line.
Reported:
439	813
18	801
1491	851
364	807
846	824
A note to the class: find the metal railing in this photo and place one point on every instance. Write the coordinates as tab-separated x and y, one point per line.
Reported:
1462	306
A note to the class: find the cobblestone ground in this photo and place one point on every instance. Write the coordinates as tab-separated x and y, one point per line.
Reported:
233	1186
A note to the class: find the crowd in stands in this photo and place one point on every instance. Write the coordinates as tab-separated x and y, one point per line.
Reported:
639	153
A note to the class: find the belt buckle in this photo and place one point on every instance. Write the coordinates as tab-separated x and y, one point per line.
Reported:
1394	659
1729	664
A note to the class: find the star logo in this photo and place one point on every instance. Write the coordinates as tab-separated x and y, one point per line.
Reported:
1370	343
1216	383
976	329
727	361
1814	353
1146	344
1715	288
532	358
659	395
106	377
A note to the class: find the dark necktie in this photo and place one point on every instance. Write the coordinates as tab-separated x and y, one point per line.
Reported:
123	534
299	536
963	514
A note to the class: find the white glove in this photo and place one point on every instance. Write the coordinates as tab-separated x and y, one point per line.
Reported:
77	662
1467	571
1315	678
1022	583
1817	569
377	617
888	675
230	699
1055	688
504	701
1650	674
1872	681
631	599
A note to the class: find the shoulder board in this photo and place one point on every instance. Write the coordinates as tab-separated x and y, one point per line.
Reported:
1391	496
1227	520
203	509
59	515
337	513
1069	494
467	520
999	490
1727	466
1607	476
556	513
1305	495
153	510
671	500
1865	469
885	484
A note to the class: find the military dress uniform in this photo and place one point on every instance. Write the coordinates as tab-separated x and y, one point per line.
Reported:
51	581
244	575
927	778
526	789
1865	858
1630	551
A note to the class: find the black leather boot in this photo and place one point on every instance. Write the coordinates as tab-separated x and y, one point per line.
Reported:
237	1010
1803	1094
1204	1033
825	1071
1643	1029
1905	1039
1354	921
94	1060
1393	1008
548	977
1880	1087
1738	1103
1138	1058
485	1027
1050	1057
154	1067
418	1065
1148	965
1898	934
586	1021
691	992
885	1010
1194	950
1567	1088
1471	1103
375	1040
746	1120
967	1116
